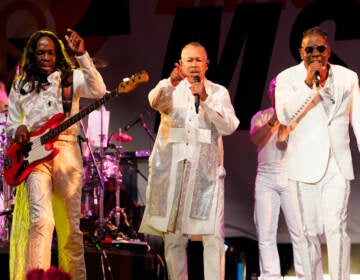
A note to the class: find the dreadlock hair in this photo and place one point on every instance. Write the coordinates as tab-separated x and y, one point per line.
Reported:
30	73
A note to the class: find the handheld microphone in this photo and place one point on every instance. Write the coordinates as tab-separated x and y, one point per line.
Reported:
317	78
133	122
196	95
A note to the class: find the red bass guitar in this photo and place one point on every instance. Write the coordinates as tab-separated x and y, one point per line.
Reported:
21	159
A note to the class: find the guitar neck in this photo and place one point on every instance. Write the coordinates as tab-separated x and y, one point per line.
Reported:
77	117
126	85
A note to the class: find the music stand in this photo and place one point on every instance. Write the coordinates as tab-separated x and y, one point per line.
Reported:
98	122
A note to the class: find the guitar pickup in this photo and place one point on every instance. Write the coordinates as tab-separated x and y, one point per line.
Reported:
18	156
26	149
21	169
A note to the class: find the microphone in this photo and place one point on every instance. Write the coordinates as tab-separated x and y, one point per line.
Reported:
133	122
196	95
317	78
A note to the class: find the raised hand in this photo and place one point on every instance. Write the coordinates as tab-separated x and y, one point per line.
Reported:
177	75
75	42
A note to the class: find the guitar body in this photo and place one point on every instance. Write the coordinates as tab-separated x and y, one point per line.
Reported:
18	164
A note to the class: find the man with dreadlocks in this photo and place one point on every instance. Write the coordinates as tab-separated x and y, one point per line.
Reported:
54	185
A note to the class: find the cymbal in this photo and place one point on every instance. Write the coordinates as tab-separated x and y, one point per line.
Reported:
123	137
99	62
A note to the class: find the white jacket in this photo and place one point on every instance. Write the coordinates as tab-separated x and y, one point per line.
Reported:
316	135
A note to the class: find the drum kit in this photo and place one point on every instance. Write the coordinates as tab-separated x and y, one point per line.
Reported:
106	206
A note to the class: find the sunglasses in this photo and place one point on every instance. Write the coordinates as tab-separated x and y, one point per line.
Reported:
310	49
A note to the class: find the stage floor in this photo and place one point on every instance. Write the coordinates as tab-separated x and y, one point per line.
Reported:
133	263
246	251
125	264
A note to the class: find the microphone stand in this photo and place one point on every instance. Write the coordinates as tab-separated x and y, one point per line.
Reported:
102	187
140	119
144	126
117	192
99	231
87	212
133	166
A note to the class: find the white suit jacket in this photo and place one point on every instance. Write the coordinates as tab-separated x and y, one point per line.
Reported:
315	134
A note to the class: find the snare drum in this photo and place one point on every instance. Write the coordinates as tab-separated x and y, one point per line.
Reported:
111	175
110	169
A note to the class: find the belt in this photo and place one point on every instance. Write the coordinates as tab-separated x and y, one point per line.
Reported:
68	137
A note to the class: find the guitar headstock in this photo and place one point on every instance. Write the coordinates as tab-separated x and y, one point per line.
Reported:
129	84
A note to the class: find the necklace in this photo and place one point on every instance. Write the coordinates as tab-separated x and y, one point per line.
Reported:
327	93
328	88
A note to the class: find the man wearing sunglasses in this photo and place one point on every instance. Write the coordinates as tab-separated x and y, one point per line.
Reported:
319	100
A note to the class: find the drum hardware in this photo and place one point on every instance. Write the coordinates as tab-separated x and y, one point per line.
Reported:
118	211
99	190
102	173
88	211
5	223
6	191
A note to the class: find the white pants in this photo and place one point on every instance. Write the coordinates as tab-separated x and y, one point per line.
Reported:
321	208
271	194
176	256
54	189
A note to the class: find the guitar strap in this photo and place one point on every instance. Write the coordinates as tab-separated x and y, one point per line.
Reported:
67	94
